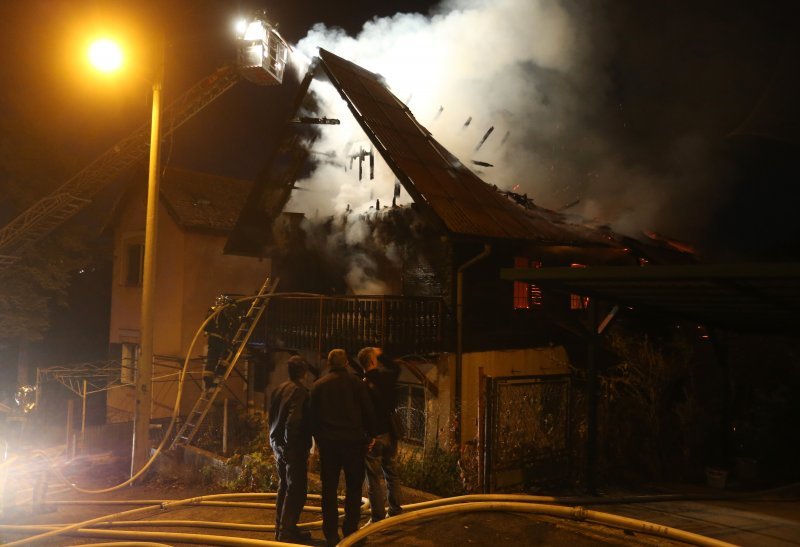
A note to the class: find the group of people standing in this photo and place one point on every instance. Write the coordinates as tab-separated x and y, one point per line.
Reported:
351	419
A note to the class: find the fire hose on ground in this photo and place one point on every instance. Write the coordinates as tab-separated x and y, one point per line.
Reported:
96	528
544	505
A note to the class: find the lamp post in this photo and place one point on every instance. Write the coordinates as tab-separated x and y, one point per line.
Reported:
107	56
144	376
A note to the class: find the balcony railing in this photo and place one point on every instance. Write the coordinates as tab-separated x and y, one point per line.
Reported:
401	325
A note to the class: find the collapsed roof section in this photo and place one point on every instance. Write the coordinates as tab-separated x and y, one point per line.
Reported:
435	178
441	186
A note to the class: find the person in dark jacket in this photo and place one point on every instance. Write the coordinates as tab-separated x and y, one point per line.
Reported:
290	438
342	420
381	379
219	330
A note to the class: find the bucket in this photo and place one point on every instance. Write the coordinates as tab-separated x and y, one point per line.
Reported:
716	478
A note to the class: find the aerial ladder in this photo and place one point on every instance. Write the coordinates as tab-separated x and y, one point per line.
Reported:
236	346
261	58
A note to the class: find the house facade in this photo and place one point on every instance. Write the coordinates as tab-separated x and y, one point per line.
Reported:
488	362
196	213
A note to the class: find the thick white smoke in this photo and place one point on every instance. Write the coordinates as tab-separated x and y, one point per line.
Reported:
526	68
522	67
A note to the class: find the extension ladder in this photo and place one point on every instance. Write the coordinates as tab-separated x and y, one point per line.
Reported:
236	346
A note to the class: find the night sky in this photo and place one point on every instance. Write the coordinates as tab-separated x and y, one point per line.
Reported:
678	117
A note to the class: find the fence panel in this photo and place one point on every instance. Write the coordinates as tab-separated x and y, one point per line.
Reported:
528	431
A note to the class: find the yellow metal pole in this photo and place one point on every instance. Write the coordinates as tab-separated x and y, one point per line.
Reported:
83	416
225	426
70	410
144	377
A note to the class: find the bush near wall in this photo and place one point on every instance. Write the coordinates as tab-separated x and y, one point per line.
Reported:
434	470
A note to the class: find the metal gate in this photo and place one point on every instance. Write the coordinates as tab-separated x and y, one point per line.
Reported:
526	432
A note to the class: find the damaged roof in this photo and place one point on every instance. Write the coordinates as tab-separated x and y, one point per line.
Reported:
442	187
433	176
202	201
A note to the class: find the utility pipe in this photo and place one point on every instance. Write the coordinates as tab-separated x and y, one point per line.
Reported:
487	249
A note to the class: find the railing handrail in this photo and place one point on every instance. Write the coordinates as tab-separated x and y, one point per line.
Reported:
365	297
415	324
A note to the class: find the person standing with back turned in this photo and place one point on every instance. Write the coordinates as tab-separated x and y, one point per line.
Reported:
380	461
343	425
290	438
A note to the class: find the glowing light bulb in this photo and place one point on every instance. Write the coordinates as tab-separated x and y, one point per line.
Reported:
105	55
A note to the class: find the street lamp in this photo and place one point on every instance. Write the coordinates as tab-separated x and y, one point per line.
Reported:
106	56
262	58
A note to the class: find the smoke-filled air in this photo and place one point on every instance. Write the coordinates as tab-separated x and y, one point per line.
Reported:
509	83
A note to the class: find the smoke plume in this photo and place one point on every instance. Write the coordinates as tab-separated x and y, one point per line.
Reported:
591	111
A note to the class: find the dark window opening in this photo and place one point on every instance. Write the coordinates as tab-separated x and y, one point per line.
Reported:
134	264
578	302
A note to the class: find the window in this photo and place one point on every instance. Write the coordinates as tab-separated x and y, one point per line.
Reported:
410	412
128	362
578	302
526	295
134	264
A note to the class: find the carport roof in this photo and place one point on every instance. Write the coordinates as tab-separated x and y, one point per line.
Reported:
762	297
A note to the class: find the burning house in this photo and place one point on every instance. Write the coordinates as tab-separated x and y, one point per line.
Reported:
418	274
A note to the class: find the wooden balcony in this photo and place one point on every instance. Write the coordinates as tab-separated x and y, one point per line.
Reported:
400	325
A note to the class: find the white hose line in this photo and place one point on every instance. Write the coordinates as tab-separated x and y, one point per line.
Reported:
230	504
574	513
142	510
163	506
175	537
171	523
127	544
524	498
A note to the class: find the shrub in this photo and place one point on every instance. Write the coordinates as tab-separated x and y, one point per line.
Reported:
434	470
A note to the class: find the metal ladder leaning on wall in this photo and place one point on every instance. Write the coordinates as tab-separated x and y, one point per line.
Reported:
236	347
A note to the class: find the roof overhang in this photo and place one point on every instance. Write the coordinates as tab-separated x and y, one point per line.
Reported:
758	298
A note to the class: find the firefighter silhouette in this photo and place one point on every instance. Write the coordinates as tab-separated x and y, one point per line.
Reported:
220	331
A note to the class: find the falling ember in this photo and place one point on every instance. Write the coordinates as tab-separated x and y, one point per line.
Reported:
515	187
315	121
569	205
677	245
485	136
